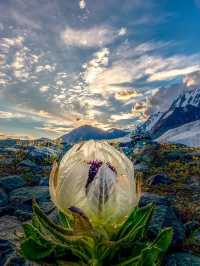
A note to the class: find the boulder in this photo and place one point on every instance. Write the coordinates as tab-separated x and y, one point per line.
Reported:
6	210
27	164
44	181
164	216
3	198
26	194
43	153
8	254
182	259
160	179
12	182
8	225
191	226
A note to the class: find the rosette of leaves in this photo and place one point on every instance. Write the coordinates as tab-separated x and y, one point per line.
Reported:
74	241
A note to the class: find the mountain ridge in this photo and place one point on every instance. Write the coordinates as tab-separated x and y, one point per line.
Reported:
88	132
184	109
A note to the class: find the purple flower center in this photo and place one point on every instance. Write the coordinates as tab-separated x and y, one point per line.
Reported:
94	167
105	187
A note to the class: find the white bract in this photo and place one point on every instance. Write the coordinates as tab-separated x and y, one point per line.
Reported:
97	179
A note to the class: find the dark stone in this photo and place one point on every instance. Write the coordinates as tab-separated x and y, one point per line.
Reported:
25	194
39	155
12	182
27	163
147	198
3	198
44	181
8	254
191	227
182	259
160	179
6	210
23	215
163	216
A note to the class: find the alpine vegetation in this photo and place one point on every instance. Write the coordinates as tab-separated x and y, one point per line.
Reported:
100	222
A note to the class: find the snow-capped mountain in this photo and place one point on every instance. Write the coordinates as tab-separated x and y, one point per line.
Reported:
188	134
153	119
185	109
87	132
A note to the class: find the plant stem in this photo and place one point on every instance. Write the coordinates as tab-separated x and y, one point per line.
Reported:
95	262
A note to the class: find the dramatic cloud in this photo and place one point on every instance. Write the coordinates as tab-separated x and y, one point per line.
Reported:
64	64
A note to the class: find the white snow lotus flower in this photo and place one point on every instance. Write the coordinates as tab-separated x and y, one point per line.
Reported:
97	179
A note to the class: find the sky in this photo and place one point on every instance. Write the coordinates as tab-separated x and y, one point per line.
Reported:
108	63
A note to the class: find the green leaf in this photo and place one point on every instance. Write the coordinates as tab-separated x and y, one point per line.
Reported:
149	256
42	219
137	225
131	261
137	217
31	232
32	251
79	245
164	239
65	220
153	253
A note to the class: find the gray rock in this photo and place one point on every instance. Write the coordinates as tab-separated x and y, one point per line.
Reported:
43	153
160	179
6	210
163	216
27	163
141	167
8	254
12	182
191	226
8	225
25	194
182	259
44	181
3	198
147	198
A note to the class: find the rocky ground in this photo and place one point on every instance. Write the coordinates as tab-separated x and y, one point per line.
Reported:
169	175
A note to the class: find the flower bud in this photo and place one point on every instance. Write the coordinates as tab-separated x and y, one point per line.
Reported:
97	179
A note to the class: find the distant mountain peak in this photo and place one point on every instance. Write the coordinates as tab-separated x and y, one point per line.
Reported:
184	110
87	132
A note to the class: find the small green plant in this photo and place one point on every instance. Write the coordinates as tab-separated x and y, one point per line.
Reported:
75	240
100	224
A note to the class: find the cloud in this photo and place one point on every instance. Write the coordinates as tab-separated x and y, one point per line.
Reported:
44	88
122	116
125	95
139	110
6	135
122	31
23	63
10	115
192	79
97	36
82	4
96	66
163	97
47	67
170	74
7	43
